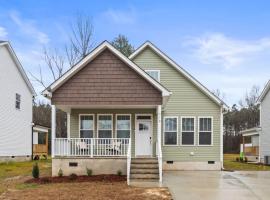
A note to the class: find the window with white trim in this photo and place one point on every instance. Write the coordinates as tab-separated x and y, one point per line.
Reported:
205	130
86	126
188	130
105	126
155	74
123	126
170	130
18	101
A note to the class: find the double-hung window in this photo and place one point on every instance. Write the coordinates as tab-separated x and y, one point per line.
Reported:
170	130
86	126
205	130
18	101
123	126
155	74
105	126
188	130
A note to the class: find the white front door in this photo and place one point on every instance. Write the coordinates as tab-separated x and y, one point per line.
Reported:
143	137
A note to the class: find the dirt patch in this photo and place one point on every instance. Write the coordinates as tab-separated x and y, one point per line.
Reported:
77	179
94	191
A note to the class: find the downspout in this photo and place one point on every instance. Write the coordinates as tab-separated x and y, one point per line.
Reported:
221	138
32	139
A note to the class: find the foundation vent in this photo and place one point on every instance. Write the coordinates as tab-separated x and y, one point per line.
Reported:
73	164
211	162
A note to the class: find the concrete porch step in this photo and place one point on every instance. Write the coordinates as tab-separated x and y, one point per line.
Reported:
144	161
144	176
144	166
144	171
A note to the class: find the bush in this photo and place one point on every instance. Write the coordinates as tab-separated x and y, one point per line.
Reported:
119	172
237	159
60	172
73	176
241	159
246	159
35	171
89	172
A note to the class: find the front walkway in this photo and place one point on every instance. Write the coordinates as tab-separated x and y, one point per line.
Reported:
193	185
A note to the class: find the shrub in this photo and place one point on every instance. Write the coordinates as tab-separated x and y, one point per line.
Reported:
241	159
246	159
89	172
35	171
119	172
237	159
60	172
72	176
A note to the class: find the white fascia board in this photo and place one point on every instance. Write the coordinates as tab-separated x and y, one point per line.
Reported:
95	53
19	66
264	92
181	70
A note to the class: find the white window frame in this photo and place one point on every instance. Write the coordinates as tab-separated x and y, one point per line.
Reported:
181	128
177	124
98	129
93	115
207	145
154	70
123	129
20	101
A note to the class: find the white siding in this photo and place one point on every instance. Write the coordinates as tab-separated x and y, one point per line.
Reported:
265	124
15	125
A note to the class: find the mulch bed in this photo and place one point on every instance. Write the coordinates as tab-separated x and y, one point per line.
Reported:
74	179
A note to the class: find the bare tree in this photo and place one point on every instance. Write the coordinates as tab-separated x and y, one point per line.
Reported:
250	97
80	44
219	94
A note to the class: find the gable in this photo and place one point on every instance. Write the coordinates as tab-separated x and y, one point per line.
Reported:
149	47
107	80
184	92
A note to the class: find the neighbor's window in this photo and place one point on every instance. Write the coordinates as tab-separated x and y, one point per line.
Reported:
188	130
205	130
86	126
170	130
155	74
123	126
105	126
18	101
42	138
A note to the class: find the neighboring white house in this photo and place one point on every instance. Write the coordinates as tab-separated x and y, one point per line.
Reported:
15	107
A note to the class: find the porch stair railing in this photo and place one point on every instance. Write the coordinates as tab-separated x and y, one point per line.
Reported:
159	155
128	161
92	147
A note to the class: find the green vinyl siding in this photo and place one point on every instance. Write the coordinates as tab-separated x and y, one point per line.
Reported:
74	122
186	100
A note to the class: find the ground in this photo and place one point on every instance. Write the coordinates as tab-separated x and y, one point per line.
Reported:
231	164
12	186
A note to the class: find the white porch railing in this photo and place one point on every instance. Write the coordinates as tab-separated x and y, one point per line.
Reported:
93	147
128	161
159	155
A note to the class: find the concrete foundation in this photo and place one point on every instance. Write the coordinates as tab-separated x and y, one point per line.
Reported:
191	166
97	165
14	158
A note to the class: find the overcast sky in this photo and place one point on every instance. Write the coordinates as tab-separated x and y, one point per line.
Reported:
225	45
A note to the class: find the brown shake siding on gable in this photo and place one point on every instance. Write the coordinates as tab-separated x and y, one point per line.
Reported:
107	81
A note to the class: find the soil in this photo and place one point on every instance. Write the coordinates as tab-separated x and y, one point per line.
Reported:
77	179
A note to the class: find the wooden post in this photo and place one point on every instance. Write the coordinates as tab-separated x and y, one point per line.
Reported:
243	145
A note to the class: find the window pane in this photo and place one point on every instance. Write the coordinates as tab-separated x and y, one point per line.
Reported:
170	138
87	122
104	133
105	122
205	124
41	138
170	124
188	124
144	117
18	97
123	134
188	138
205	138
18	104
123	122
86	133
154	74
143	126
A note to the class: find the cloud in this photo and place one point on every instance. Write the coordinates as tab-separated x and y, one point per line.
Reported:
121	17
216	48
28	27
3	32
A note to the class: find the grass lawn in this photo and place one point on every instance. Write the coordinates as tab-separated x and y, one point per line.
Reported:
14	174
231	164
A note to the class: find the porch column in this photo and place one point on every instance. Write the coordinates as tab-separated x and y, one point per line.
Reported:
53	126
68	125
159	125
